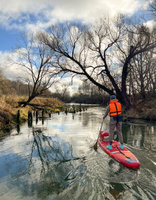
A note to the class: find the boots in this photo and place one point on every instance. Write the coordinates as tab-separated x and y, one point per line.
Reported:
109	147
121	146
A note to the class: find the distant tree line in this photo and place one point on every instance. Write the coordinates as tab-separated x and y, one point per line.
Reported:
8	87
15	87
90	93
85	94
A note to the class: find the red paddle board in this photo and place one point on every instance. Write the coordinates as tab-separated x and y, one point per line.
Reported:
124	156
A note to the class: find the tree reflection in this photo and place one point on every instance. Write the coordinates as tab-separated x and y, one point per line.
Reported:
53	159
142	135
49	150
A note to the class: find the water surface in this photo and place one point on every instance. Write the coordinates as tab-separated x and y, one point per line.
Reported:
55	159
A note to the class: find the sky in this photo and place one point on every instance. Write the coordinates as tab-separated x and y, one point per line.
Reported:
18	16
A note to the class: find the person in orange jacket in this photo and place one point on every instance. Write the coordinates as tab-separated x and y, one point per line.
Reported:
114	109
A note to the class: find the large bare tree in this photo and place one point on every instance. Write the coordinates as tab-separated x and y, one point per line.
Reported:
102	52
36	62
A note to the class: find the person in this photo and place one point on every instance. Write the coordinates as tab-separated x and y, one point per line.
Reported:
114	110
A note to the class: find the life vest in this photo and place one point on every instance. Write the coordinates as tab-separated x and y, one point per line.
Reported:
115	108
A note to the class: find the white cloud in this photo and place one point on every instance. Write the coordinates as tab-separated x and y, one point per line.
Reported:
150	24
66	82
18	14
10	70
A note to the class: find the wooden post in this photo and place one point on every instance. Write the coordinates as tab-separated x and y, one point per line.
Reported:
66	111
80	108
43	113
74	109
18	116
29	115
30	118
36	116
49	114
18	128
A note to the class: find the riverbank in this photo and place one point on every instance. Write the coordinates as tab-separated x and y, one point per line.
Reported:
9	108
143	109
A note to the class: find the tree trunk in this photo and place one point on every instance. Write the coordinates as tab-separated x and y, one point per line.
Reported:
29	99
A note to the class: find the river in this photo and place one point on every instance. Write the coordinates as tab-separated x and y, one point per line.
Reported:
54	159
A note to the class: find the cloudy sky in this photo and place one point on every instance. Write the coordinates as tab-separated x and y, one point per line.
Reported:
17	16
27	15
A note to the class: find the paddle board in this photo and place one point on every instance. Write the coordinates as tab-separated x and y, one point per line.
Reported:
124	156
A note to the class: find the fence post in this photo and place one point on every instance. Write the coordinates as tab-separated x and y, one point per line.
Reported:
29	115
18	117
42	113
36	116
30	118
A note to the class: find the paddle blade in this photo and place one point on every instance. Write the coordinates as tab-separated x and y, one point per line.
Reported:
95	146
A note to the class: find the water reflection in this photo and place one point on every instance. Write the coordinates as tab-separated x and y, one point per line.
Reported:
49	150
142	136
53	160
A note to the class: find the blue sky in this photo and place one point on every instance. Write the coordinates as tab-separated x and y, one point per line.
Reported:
27	15
17	16
8	39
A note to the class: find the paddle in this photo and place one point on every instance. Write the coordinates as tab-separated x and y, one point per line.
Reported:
95	145
122	152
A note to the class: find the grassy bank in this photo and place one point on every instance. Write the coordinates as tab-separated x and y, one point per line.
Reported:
143	109
9	108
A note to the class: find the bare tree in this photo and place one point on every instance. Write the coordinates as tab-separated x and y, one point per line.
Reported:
142	72
142	75
62	92
36	61
101	53
152	7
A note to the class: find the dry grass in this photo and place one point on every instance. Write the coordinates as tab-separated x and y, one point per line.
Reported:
51	102
4	105
143	109
9	108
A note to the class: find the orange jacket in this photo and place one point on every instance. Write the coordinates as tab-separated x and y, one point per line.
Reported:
115	108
